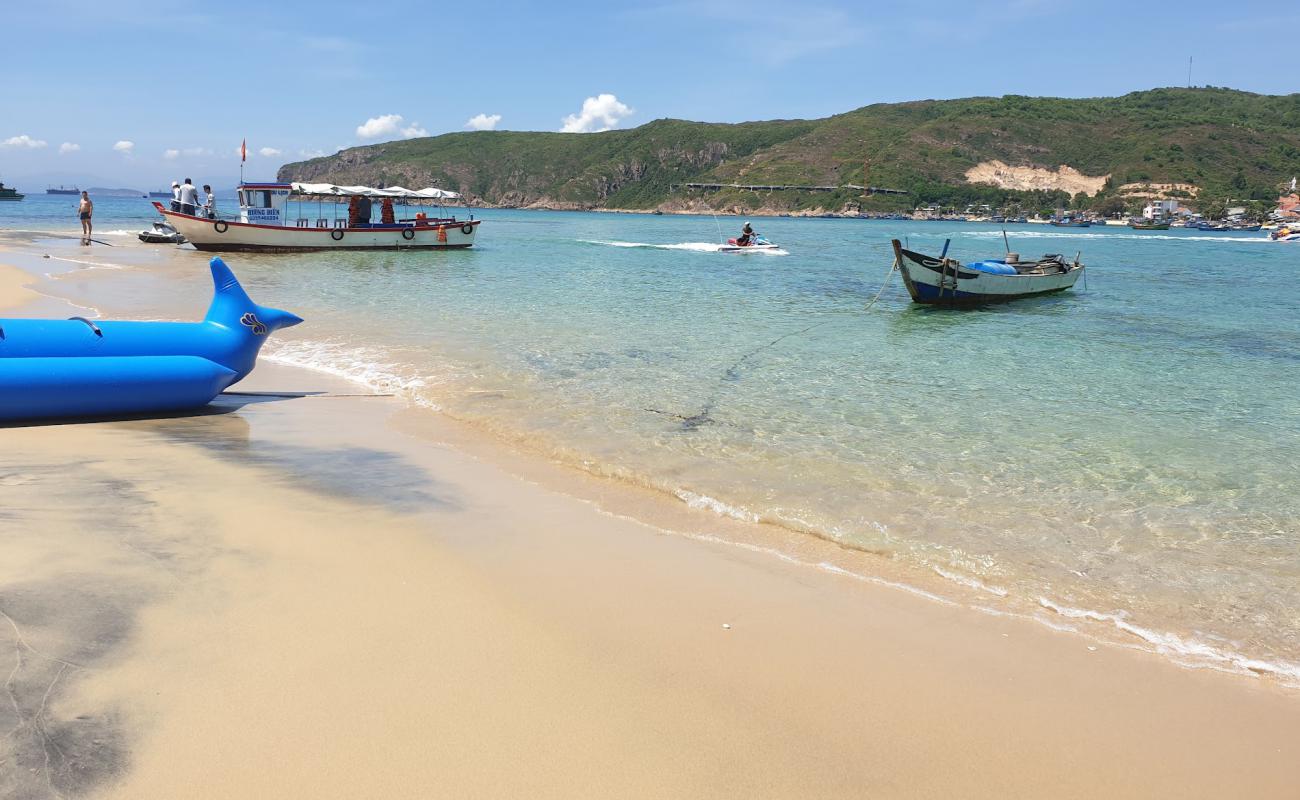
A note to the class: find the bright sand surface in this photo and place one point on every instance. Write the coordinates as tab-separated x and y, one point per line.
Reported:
337	596
13	291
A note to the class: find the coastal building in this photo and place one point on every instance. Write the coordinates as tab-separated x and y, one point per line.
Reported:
1161	209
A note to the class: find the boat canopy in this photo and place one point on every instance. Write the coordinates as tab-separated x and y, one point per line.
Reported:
398	192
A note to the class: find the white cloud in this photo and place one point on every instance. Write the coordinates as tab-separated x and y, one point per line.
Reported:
124	147
483	122
23	140
268	152
172	153
311	153
68	147
599	113
389	126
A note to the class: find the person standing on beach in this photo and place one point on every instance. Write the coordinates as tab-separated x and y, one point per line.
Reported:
189	198
209	202
176	196
84	210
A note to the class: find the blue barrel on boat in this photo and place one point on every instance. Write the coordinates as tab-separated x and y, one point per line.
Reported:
991	267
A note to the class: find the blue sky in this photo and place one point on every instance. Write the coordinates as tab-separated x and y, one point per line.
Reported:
134	94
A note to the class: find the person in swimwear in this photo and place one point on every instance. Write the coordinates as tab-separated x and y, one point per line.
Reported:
84	210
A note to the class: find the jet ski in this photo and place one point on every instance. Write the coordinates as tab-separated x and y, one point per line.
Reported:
162	233
757	243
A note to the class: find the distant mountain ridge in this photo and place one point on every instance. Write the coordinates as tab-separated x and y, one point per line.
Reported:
1220	141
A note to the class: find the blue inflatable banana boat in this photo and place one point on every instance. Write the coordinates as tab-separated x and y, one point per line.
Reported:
78	367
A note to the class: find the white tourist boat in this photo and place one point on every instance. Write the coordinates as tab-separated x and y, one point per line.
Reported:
291	217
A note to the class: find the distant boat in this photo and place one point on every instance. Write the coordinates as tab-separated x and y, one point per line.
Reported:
1070	222
9	193
1246	228
1148	225
63	190
943	281
162	193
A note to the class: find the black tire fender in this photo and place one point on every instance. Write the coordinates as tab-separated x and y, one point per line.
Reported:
221	226
467	228
336	235
408	234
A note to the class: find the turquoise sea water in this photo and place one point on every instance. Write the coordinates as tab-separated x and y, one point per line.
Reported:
1122	457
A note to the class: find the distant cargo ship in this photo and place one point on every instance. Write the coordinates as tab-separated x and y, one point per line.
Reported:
9	193
163	193
63	190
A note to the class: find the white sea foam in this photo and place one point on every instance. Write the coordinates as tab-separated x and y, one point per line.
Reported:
826	566
361	365
1188	652
1058	233
88	264
696	247
716	506
116	233
973	583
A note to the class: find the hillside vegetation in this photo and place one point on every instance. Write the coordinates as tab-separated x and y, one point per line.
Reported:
1226	143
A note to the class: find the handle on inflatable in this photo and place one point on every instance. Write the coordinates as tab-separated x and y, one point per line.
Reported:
92	325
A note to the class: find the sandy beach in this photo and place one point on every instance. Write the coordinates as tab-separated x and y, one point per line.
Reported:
309	590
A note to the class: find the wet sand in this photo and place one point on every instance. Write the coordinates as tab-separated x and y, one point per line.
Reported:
308	594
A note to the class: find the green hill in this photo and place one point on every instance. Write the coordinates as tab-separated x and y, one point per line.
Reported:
1221	142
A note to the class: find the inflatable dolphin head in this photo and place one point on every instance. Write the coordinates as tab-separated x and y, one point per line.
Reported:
235	327
232	308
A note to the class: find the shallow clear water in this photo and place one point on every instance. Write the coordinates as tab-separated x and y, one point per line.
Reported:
1124	454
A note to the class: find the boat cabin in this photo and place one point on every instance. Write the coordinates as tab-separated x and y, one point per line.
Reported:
263	203
323	205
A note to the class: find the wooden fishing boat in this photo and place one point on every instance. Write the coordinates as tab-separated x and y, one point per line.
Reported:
1148	225
9	193
947	282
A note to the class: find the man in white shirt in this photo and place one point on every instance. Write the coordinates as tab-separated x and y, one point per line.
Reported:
209	202
189	198
176	196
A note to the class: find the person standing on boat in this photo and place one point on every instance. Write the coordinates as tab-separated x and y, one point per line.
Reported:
189	198
747	236
176	196
84	210
209	202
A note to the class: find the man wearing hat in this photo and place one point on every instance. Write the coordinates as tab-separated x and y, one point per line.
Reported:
176	196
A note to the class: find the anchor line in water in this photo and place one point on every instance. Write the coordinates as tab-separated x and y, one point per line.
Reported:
732	373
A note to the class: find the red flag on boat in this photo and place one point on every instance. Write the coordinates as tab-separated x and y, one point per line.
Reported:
243	151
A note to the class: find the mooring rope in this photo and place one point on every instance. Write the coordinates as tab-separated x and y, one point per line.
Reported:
732	373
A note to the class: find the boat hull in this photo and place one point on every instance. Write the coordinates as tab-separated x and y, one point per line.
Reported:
929	282
226	236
